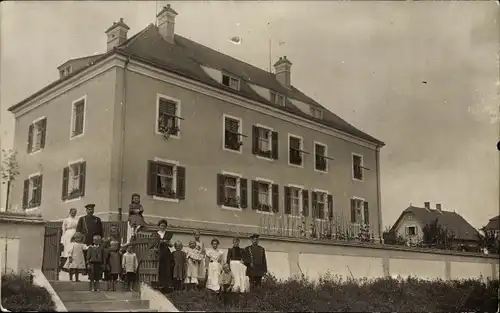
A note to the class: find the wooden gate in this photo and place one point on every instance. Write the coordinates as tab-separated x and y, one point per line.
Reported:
51	253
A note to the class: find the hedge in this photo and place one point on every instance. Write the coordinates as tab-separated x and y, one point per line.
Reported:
331	294
19	294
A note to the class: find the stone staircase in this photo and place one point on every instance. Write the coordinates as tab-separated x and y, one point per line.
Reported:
77	298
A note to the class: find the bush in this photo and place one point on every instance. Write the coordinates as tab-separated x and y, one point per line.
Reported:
334	294
20	294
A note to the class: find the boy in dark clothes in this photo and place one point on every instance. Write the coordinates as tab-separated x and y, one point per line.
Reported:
96	254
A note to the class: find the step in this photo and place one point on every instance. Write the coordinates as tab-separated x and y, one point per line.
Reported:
72	296
100	306
81	286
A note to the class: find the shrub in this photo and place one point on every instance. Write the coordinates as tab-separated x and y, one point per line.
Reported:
332	293
19	294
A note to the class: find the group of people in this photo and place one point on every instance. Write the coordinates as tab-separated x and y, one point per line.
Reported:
85	251
199	267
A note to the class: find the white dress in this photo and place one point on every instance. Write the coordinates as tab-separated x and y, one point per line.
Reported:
68	230
214	268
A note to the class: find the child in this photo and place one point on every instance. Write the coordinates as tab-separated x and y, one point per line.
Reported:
95	262
135	218
113	265
130	265
194	257
180	264
114	235
76	259
226	280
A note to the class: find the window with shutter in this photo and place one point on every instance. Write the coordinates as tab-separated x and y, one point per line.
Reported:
357	167
320	161
277	99
78	120
294	200
275	198
36	136
168	116
357	210
166	180
232	134
264	189
230	191
32	192
353	211
330	207
231	82
305	202
295	153
243	193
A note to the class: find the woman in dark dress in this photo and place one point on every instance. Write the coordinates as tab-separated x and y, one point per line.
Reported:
162	242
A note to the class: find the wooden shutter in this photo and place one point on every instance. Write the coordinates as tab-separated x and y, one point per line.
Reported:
275	198
367	213
43	124
314	204
288	201
30	138
274	145
305	202
26	193
152	171
39	195
243	193
255	139
330	207
221	190
353	211
255	195
181	183
83	175
65	182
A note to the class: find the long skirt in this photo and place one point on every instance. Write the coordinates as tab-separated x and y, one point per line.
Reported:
165	269
66	241
241	282
214	269
201	269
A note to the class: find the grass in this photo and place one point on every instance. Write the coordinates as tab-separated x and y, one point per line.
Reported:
332	294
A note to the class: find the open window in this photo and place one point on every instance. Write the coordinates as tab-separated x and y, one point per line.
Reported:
232	140
232	191
168	117
265	196
32	192
231	81
296	152
265	142
74	180
37	133
166	180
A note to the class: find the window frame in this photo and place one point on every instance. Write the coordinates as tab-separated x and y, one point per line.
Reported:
238	189
240	131
325	157
269	184
69	197
270	132
73	117
362	209
407	230
276	96
301	147
325	204
31	188
301	201
316	109
353	155
43	133
231	77
178	117
175	165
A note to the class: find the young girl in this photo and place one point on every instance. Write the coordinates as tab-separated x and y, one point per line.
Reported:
226	281
113	265
135	218
180	264
130	264
194	257
214	258
76	259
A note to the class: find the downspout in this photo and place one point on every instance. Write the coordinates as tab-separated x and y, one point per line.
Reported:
379	195
122	138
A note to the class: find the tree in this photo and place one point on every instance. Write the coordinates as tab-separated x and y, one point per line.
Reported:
437	236
491	240
9	170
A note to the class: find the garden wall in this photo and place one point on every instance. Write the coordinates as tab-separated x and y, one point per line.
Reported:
21	241
288	257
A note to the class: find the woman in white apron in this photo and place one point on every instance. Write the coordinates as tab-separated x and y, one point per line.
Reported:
236	258
214	261
68	230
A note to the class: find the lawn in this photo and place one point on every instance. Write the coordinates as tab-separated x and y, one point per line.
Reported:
19	294
332	294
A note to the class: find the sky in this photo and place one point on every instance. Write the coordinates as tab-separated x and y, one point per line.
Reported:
421	76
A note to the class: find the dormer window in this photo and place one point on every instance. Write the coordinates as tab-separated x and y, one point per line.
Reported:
231	82
316	112
277	99
65	71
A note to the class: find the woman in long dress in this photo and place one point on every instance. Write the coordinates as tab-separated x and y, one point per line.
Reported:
202	269
68	230
214	259
236	257
166	260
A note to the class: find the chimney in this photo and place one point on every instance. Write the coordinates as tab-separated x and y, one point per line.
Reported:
283	73
166	23
438	207
117	34
427	205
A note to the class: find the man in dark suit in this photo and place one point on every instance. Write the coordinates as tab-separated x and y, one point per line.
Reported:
89	225
256	262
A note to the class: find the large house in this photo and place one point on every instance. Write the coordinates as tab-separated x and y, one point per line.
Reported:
207	140
413	219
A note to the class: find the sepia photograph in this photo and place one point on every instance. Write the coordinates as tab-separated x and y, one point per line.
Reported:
265	156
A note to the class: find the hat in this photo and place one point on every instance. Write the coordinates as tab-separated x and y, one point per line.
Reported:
254	236
91	205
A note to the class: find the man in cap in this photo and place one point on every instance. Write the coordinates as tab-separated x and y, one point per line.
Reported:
256	262
89	225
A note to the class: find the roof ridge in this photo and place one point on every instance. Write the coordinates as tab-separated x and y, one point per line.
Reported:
134	37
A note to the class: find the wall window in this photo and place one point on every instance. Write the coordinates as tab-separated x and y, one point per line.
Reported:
294	200
74	180
277	99
316	112
359	211
411	231
265	196
320	205
37	133
265	142
168	116
357	167
166	180
320	157
32	192
231	82
232	140
78	117
232	191
295	155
